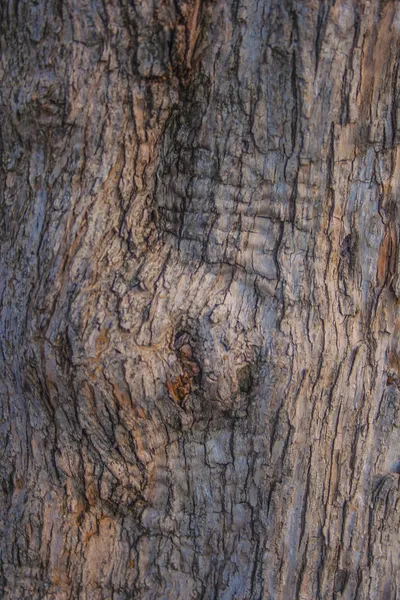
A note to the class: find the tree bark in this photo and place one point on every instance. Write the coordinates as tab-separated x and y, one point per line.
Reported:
199	299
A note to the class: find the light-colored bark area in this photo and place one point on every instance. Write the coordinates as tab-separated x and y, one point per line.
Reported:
199	309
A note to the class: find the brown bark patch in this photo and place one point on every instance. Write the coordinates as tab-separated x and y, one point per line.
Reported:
386	257
102	341
179	388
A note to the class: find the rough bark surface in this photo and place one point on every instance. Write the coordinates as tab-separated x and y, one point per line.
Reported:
199	299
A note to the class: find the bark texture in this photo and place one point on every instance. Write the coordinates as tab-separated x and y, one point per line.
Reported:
199	299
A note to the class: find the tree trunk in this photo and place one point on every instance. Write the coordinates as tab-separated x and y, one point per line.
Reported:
200	294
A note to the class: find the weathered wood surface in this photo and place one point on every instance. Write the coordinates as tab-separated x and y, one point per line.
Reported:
200	299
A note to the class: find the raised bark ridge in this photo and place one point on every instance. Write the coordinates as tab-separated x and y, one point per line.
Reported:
199	300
